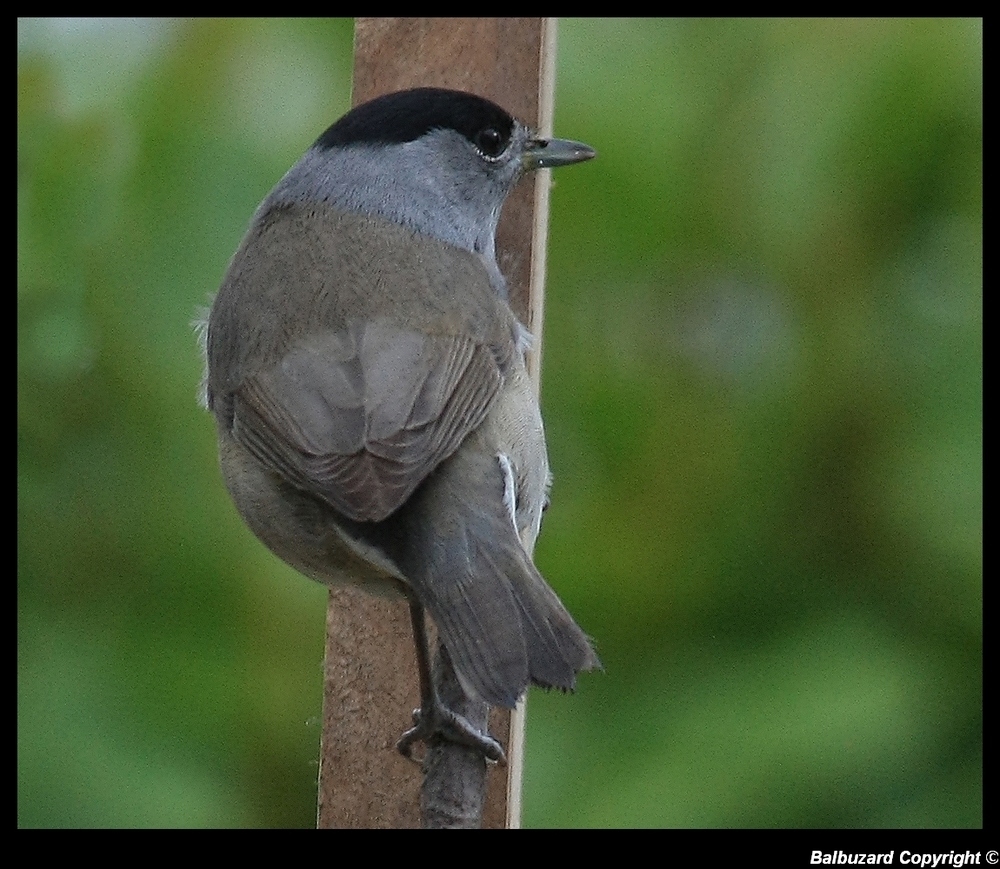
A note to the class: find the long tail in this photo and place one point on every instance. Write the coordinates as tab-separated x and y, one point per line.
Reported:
503	626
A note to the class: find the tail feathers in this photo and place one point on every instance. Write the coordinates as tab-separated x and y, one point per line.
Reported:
486	647
557	648
503	626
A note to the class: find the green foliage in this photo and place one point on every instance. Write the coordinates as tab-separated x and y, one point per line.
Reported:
763	395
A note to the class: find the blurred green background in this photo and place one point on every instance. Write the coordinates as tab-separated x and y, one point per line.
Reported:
762	387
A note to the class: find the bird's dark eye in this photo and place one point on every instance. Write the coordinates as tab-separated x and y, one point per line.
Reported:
490	142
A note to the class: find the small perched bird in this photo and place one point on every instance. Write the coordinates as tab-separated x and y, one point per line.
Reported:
375	419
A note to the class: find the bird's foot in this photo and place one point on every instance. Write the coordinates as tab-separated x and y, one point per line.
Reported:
437	721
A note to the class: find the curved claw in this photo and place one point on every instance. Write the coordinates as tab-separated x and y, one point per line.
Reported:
445	724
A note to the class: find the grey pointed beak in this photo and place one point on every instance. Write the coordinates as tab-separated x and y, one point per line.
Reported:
549	153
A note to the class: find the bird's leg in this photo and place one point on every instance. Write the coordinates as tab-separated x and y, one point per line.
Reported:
433	718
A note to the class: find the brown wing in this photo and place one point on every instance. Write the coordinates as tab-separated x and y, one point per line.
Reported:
360	417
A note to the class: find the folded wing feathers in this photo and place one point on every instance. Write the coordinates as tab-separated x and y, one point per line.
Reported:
361	419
